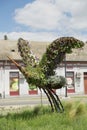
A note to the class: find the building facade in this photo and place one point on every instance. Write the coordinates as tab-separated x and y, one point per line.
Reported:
13	83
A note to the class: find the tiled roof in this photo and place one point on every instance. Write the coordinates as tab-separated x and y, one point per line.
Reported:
78	54
9	48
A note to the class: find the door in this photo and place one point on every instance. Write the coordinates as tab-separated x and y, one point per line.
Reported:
85	82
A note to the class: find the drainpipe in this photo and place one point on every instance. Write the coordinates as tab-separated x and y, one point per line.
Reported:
65	76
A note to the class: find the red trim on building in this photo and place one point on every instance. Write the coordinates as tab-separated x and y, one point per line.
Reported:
70	90
14	93
33	92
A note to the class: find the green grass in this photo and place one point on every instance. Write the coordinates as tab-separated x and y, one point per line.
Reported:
41	118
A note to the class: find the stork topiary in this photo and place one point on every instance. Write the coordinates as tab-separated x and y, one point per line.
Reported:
41	72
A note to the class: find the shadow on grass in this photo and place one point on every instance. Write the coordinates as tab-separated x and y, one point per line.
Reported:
28	114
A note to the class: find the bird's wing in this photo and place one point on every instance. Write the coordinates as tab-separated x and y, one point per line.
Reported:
56	51
25	51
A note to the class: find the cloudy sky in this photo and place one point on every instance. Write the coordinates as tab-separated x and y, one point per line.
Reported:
43	20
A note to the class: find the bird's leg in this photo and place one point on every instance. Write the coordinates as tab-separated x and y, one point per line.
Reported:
58	100
56	105
49	98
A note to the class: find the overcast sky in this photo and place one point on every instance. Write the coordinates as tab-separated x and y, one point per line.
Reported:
43	20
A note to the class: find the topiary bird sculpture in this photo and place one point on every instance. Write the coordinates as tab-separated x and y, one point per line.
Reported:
41	72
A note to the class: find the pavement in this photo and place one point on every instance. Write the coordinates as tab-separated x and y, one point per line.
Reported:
24	101
33	100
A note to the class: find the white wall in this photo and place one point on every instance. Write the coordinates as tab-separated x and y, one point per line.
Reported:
1	81
4	81
23	87
79	82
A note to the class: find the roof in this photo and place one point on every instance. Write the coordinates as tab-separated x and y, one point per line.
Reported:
79	54
9	48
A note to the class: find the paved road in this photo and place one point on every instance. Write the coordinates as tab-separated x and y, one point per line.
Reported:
35	100
30	100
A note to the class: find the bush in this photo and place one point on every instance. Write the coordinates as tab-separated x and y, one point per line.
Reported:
78	110
56	82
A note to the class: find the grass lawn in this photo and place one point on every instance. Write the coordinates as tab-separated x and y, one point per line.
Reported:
41	118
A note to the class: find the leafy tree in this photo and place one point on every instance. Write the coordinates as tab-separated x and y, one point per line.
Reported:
41	73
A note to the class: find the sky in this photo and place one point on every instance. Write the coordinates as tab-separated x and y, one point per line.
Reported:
43	20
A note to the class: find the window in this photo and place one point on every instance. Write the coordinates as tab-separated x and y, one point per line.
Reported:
14	82
70	80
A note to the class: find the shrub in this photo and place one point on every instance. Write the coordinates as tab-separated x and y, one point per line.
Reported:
78	110
56	82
